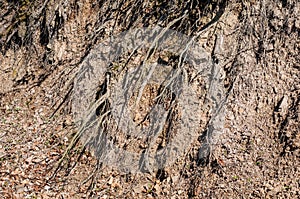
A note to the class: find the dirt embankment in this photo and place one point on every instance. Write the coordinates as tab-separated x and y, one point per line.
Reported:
43	45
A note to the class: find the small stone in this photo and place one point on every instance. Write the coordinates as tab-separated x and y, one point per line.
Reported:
20	188
47	188
105	196
175	179
110	180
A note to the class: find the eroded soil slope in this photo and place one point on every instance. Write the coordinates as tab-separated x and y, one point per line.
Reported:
43	45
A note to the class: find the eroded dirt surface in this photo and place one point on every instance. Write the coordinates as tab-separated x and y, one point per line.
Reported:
257	156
